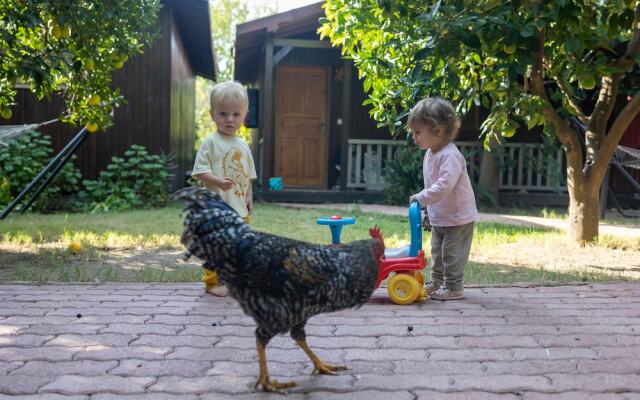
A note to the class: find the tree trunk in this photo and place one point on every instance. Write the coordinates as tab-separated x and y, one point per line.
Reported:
583	212
490	168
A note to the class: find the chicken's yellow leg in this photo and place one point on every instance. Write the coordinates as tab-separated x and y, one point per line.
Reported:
267	384
319	366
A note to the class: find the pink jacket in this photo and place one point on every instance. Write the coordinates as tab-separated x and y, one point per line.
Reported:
448	194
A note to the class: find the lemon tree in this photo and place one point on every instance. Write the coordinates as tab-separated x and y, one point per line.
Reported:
529	63
70	48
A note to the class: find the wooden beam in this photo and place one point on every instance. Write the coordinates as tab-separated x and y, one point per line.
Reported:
281	54
311	44
268	137
346	123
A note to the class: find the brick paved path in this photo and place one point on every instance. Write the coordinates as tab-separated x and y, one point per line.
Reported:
169	341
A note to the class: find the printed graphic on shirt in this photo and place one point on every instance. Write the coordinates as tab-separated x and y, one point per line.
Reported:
233	168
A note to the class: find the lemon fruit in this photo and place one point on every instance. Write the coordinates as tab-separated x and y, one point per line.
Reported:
65	31
92	127
75	247
56	31
6	114
94	100
587	82
509	48
509	131
89	64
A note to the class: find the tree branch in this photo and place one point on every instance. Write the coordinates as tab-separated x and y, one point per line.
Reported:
562	129
575	107
606	101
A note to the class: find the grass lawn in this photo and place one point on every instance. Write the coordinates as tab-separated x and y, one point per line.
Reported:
143	246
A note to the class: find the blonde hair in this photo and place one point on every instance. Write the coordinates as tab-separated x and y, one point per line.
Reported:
231	91
434	112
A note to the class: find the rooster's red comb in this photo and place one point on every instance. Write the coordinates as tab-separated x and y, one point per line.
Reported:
375	232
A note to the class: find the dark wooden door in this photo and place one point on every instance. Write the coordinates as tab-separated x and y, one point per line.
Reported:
301	126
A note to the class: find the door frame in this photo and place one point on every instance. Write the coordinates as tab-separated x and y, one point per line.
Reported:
276	136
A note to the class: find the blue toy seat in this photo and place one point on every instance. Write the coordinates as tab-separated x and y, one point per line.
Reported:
415	223
396	253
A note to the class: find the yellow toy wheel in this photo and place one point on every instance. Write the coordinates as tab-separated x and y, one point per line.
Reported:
403	289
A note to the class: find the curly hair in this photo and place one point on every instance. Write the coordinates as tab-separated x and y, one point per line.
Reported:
434	112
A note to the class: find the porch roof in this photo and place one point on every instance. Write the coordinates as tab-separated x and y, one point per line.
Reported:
251	36
193	22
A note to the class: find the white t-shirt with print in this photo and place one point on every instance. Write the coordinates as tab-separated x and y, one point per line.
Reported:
228	157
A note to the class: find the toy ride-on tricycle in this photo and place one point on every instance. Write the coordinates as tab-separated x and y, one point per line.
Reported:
407	263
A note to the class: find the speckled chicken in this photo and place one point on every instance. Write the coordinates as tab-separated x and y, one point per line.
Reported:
279	282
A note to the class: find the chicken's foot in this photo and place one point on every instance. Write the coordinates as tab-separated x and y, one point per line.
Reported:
268	384
319	366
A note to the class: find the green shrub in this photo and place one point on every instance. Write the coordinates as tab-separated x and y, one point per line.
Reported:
404	174
22	160
139	180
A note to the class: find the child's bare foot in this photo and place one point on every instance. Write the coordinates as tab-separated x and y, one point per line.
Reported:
218	291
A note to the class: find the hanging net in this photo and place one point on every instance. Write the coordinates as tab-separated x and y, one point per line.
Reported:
9	132
628	157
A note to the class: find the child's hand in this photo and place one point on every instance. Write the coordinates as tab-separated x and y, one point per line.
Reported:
249	203
412	198
226	183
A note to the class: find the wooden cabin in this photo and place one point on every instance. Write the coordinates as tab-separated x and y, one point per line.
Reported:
311	129
159	87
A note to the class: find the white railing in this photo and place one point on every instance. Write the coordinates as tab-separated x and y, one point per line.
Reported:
367	159
529	167
525	166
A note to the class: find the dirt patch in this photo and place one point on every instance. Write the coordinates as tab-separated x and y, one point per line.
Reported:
55	263
563	257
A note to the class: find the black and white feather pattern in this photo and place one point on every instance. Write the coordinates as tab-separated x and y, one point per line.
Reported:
280	282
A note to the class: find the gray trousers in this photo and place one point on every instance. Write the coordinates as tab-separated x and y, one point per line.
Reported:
450	247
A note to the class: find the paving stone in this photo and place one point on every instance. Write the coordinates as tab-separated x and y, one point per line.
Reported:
596	382
361	395
48	368
141	329
112	319
218	330
433	395
53	353
252	368
107	339
184	368
168	341
10	329
76	384
441	367
48	396
386	355
145	396
206	342
228	384
48	329
22	384
74	311
573	396
23	340
6	366
497	342
102	353
22	312
192	353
